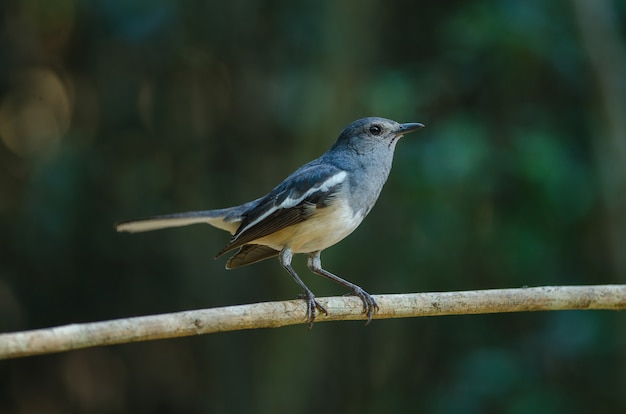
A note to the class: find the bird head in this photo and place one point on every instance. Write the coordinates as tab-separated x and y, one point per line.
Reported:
374	132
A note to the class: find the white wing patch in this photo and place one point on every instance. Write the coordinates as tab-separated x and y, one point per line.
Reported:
289	202
323	187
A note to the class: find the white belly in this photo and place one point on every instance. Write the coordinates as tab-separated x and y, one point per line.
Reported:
327	226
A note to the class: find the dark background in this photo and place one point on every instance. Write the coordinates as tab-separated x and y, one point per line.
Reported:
111	110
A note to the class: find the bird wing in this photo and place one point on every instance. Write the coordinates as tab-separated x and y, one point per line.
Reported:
291	202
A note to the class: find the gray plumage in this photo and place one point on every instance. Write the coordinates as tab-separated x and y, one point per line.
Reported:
312	209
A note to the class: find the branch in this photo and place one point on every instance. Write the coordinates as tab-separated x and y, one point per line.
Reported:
291	312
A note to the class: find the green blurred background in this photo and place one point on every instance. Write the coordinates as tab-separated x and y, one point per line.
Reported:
117	109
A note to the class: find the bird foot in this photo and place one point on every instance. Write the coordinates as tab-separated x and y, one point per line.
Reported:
369	304
312	306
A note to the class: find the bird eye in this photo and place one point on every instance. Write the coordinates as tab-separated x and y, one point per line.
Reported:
376	130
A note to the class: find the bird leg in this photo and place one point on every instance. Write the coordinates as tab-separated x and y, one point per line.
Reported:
369	304
313	305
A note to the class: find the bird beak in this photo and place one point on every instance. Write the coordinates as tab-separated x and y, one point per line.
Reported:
410	127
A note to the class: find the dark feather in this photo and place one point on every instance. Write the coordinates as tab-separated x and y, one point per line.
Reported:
276	221
250	253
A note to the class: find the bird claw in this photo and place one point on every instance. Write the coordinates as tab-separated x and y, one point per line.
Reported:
369	304
312	306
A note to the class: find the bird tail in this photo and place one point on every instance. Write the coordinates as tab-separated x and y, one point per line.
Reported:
225	219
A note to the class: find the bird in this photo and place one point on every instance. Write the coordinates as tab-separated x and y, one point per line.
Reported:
312	209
